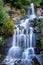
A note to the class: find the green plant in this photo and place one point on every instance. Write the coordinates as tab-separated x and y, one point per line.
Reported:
3	15
23	11
25	7
6	25
18	5
25	2
36	2
1	40
8	29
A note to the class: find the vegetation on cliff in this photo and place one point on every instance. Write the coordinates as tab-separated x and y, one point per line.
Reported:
6	25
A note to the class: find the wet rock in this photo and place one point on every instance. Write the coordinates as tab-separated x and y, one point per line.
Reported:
35	61
8	42
15	64
37	30
18	62
3	64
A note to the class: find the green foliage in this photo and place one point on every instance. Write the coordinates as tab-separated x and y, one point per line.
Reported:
23	11
3	16
21	3
1	40
41	26
0	2
36	2
41	4
25	2
6	26
18	5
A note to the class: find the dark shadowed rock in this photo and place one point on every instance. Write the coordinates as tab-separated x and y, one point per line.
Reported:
3	64
35	61
40	59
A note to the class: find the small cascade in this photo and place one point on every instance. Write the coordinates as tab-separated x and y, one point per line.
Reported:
32	7
31	12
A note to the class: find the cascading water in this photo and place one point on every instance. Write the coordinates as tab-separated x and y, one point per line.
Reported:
29	51
32	7
31	12
22	45
31	35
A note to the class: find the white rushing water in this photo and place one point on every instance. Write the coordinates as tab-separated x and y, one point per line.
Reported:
31	35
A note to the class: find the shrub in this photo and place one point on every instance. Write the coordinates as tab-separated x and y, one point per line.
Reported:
23	11
8	29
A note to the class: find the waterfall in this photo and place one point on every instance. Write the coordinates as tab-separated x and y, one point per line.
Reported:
22	44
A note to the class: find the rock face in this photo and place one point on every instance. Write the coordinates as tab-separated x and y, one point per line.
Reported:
39	11
15	15
7	44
